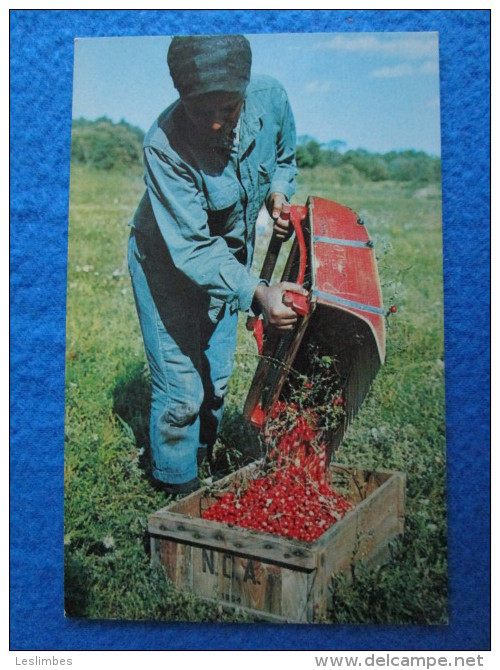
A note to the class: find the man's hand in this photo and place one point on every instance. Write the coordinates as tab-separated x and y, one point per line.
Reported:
282	228
275	312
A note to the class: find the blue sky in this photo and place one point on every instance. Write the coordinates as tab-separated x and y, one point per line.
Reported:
376	91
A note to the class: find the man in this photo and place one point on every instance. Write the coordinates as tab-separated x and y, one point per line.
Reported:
211	160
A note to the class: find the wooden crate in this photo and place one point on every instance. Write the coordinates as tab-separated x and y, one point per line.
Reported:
268	576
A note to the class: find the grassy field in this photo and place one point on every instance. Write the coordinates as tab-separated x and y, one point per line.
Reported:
108	487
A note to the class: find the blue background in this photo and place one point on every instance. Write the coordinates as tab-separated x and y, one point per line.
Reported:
40	116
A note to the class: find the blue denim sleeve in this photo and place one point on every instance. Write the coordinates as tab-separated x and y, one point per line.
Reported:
205	259
284	177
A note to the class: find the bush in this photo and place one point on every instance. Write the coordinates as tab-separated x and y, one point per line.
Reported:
331	157
402	166
413	166
106	145
308	155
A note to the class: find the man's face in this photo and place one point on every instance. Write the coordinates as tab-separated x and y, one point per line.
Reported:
214	114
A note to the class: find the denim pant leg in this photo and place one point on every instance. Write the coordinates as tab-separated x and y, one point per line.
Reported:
218	361
171	329
190	359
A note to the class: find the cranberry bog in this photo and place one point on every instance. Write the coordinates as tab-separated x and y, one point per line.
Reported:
268	576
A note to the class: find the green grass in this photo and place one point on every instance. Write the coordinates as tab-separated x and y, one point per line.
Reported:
108	484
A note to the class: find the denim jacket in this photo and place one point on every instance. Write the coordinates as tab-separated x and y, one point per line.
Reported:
205	200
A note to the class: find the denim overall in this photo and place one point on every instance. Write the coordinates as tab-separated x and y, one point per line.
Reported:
189	255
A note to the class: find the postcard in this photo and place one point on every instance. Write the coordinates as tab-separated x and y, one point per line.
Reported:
255	421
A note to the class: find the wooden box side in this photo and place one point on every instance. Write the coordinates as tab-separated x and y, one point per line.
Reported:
237	582
365	533
214	535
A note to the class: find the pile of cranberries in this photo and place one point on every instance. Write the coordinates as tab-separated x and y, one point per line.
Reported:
295	498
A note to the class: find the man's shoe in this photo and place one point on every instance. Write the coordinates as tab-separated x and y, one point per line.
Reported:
180	489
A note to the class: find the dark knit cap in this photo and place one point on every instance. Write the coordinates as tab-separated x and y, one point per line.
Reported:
204	63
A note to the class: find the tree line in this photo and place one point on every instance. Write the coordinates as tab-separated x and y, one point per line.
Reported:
409	165
105	145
